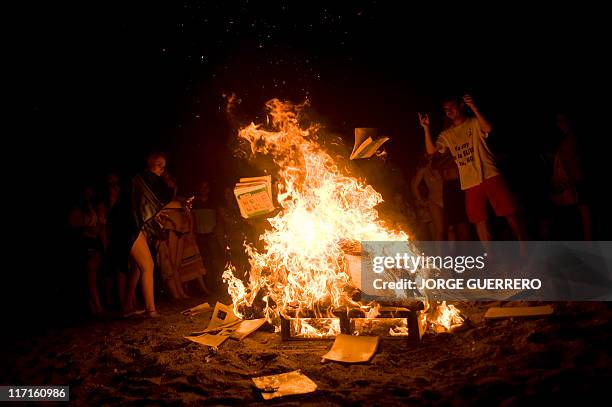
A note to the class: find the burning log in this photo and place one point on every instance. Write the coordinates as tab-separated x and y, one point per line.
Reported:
395	322
296	326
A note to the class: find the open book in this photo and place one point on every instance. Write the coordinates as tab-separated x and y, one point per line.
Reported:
254	196
366	142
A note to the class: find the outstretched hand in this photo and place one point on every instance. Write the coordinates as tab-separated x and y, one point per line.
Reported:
424	120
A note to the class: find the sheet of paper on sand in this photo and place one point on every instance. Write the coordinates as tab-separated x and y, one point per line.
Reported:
514	312
352	349
223	325
239	329
284	384
247	327
197	309
210	339
219	327
222	315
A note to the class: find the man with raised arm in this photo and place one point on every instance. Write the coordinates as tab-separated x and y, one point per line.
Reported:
480	178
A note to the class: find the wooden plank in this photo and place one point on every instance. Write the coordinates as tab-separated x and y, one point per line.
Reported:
517	312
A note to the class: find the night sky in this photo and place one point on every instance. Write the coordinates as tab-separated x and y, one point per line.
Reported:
112	81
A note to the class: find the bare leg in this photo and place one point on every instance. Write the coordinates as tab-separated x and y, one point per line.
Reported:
484	234
439	228
92	281
172	287
431	231
166	258
519	232
176	258
437	216
130	293
180	286
179	263
451	235
141	254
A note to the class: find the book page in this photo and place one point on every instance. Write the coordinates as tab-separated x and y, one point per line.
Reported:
352	349
247	327
222	315
359	152
361	134
210	340
264	178
366	142
371	148
242	186
284	384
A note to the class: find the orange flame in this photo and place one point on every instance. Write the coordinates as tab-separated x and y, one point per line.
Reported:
445	318
322	212
315	327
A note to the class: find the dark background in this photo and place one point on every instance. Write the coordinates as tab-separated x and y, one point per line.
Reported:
111	81
104	83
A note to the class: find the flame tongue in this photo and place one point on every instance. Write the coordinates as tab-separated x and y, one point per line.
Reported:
302	265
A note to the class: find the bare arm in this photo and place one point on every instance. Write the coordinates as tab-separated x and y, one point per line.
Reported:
429	145
485	126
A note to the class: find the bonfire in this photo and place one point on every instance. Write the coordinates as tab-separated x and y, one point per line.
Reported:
324	214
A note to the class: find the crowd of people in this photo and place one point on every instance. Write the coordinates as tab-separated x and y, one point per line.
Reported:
139	231
136	231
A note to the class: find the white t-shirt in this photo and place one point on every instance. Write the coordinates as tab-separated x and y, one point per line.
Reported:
468	146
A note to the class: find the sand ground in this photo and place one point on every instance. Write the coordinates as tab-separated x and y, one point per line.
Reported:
563	359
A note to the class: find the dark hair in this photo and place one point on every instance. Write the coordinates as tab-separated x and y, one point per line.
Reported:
451	98
154	156
459	101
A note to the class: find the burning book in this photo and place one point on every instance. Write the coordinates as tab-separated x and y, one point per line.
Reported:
367	143
254	196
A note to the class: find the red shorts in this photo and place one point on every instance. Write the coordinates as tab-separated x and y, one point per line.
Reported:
496	191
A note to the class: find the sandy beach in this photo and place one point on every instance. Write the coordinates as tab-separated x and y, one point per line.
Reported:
141	361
